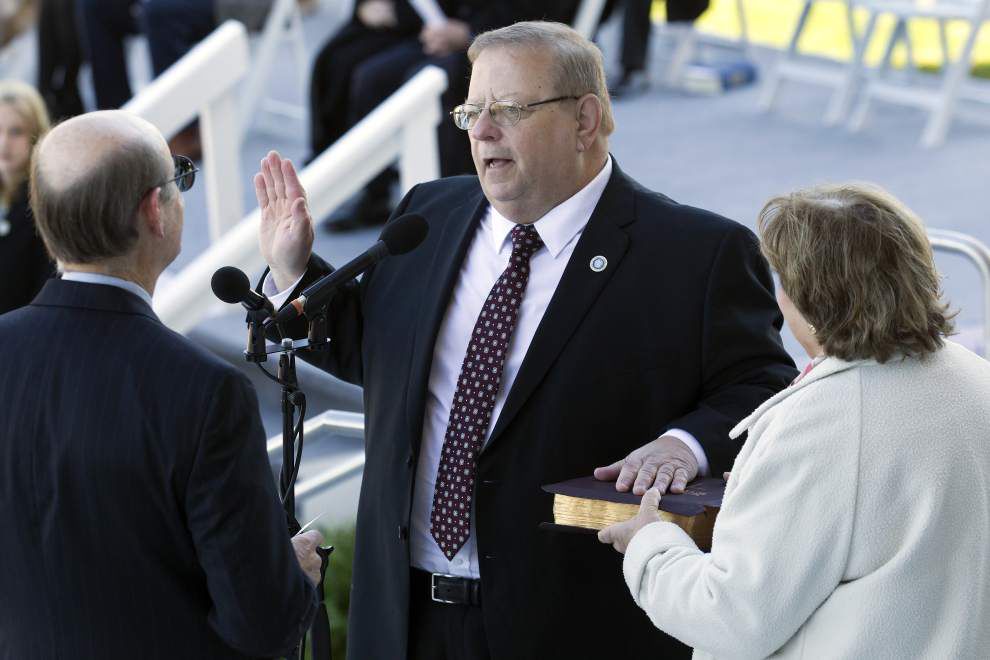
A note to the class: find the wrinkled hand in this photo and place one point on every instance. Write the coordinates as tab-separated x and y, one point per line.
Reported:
377	14
305	545
445	38
620	534
664	462
286	235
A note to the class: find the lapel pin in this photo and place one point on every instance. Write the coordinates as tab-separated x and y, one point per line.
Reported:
598	263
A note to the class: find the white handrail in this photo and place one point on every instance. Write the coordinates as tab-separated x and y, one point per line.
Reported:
204	83
342	421
977	253
402	127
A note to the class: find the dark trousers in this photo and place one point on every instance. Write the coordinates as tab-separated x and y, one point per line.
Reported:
59	58
359	69
330	84
636	26
171	26
439	631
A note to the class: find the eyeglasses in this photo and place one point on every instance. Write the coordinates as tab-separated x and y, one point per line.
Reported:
503	113
185	173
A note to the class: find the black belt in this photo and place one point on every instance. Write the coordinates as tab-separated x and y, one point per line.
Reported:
449	589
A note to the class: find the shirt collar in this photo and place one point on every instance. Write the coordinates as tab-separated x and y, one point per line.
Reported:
562	223
109	280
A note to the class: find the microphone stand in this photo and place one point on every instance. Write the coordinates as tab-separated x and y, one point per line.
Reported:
293	401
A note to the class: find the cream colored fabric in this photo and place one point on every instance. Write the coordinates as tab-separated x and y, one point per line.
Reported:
856	523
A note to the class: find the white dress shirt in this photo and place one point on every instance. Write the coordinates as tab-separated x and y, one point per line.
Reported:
109	280
560	229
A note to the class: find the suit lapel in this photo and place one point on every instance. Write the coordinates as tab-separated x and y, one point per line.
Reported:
579	287
450	248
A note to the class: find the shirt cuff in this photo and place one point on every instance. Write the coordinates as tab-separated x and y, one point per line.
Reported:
277	297
686	438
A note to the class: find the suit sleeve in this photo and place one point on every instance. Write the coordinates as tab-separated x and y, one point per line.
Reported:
262	602
780	545
345	321
743	360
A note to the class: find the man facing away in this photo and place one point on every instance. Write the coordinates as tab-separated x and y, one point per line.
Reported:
557	317
138	514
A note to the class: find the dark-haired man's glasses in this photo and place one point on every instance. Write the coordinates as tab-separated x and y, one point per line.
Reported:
185	173
503	113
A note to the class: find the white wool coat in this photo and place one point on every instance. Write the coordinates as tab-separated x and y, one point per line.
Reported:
855	524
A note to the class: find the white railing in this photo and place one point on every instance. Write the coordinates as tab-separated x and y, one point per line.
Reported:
403	128
204	83
978	254
341	421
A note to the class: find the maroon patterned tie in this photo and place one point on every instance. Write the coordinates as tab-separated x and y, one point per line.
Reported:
474	398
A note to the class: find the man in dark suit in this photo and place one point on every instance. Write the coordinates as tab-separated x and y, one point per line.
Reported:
557	317
138	515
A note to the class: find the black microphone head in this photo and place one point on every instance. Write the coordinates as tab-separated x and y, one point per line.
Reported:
230	284
404	233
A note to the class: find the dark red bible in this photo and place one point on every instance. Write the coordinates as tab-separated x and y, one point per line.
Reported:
587	504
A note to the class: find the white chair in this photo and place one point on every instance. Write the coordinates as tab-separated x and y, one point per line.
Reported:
687	41
283	25
942	100
792	65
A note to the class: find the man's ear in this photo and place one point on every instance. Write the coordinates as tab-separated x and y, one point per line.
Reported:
589	118
150	212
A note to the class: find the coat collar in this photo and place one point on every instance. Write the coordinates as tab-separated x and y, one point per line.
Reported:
99	297
827	367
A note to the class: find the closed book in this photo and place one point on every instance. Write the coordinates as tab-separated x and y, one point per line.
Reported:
589	504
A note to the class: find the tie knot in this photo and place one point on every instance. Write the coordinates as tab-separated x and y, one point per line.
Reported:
525	241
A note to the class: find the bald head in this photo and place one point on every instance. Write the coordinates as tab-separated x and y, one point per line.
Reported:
88	178
76	148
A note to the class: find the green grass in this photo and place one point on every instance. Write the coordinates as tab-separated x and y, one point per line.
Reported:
772	21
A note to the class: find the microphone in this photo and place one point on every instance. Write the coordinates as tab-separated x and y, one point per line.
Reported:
231	285
400	236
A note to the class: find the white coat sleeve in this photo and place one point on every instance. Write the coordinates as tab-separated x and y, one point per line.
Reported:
780	543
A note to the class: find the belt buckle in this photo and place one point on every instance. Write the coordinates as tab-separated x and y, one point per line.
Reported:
433	588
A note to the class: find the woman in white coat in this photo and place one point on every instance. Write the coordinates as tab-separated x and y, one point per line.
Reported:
856	519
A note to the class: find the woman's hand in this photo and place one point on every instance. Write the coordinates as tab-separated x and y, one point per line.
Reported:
620	534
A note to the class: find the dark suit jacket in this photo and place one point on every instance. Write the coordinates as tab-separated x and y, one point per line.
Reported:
24	262
138	514
680	330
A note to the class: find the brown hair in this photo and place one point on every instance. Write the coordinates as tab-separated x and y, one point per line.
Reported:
28	104
858	265
94	218
578	62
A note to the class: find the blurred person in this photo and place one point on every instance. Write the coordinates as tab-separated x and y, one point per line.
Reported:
137	507
60	55
385	44
24	263
172	28
856	518
628	319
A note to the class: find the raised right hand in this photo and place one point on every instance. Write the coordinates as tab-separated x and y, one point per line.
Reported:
286	234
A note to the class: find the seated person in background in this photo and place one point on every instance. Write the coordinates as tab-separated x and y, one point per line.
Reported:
137	507
172	27
24	263
855	520
385	44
